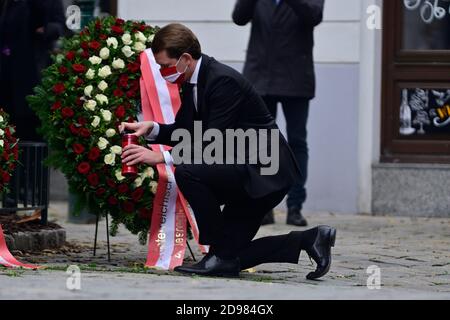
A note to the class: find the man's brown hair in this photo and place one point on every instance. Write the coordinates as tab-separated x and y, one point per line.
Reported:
176	39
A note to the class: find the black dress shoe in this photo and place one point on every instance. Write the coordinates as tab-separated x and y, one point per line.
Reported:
268	218
320	251
295	218
212	265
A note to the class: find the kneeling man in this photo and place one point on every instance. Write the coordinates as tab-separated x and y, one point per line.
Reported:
219	98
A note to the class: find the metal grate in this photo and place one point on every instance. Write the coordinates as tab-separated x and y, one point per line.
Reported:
30	183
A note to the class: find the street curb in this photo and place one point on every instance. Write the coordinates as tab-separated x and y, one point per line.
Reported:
36	241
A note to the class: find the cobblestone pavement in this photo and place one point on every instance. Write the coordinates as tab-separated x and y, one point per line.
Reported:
412	253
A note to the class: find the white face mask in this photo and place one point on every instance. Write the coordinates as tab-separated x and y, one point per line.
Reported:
171	74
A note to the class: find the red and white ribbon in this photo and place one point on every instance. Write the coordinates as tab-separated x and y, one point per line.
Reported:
167	241
7	259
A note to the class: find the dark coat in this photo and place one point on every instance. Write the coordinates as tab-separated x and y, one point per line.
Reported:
226	100
20	71
280	50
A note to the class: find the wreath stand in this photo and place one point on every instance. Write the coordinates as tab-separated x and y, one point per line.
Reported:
107	239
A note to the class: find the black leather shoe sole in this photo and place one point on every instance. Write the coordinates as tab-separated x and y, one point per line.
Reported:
219	274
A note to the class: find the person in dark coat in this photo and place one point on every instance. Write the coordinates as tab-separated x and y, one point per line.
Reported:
28	31
279	64
221	99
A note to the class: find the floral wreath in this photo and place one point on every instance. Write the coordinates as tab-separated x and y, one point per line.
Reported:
9	151
90	89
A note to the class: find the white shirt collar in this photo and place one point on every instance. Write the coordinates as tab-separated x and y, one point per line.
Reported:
194	78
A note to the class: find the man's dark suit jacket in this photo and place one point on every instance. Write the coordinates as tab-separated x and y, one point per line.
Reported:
226	100
280	51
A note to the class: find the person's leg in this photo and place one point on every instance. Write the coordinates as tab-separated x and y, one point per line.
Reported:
296	111
272	104
206	188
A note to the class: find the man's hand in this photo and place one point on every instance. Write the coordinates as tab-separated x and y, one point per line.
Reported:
139	128
133	154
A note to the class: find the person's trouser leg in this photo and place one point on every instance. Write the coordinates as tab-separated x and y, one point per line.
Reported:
206	188
296	111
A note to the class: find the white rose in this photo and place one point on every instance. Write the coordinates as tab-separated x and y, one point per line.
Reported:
95	122
1	119
119	175
150	38
2	132
95	60
127	51
110	159
90	74
118	64
149	172
110	133
2	143
104	72
102	143
90	105
102	85
138	182
104	53
140	36
106	114
101	98
88	90
153	185
139	46
116	149
126	39
112	42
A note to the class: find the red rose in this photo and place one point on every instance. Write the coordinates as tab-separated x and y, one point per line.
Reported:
118	93
131	94
120	112
74	129
67	112
85	54
85	133
98	25
93	179
70	55
142	27
111	183
84	168
94	154
137	194
57	105
8	133
128	206
82	121
79	68
133	67
63	70
5	176
122	188
59	88
103	36
100	192
145	213
85	45
120	22
94	45
135	85
112	201
78	148
123	81
79	82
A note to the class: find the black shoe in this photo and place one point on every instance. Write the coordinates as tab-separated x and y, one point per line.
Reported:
268	218
213	266
295	217
320	251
